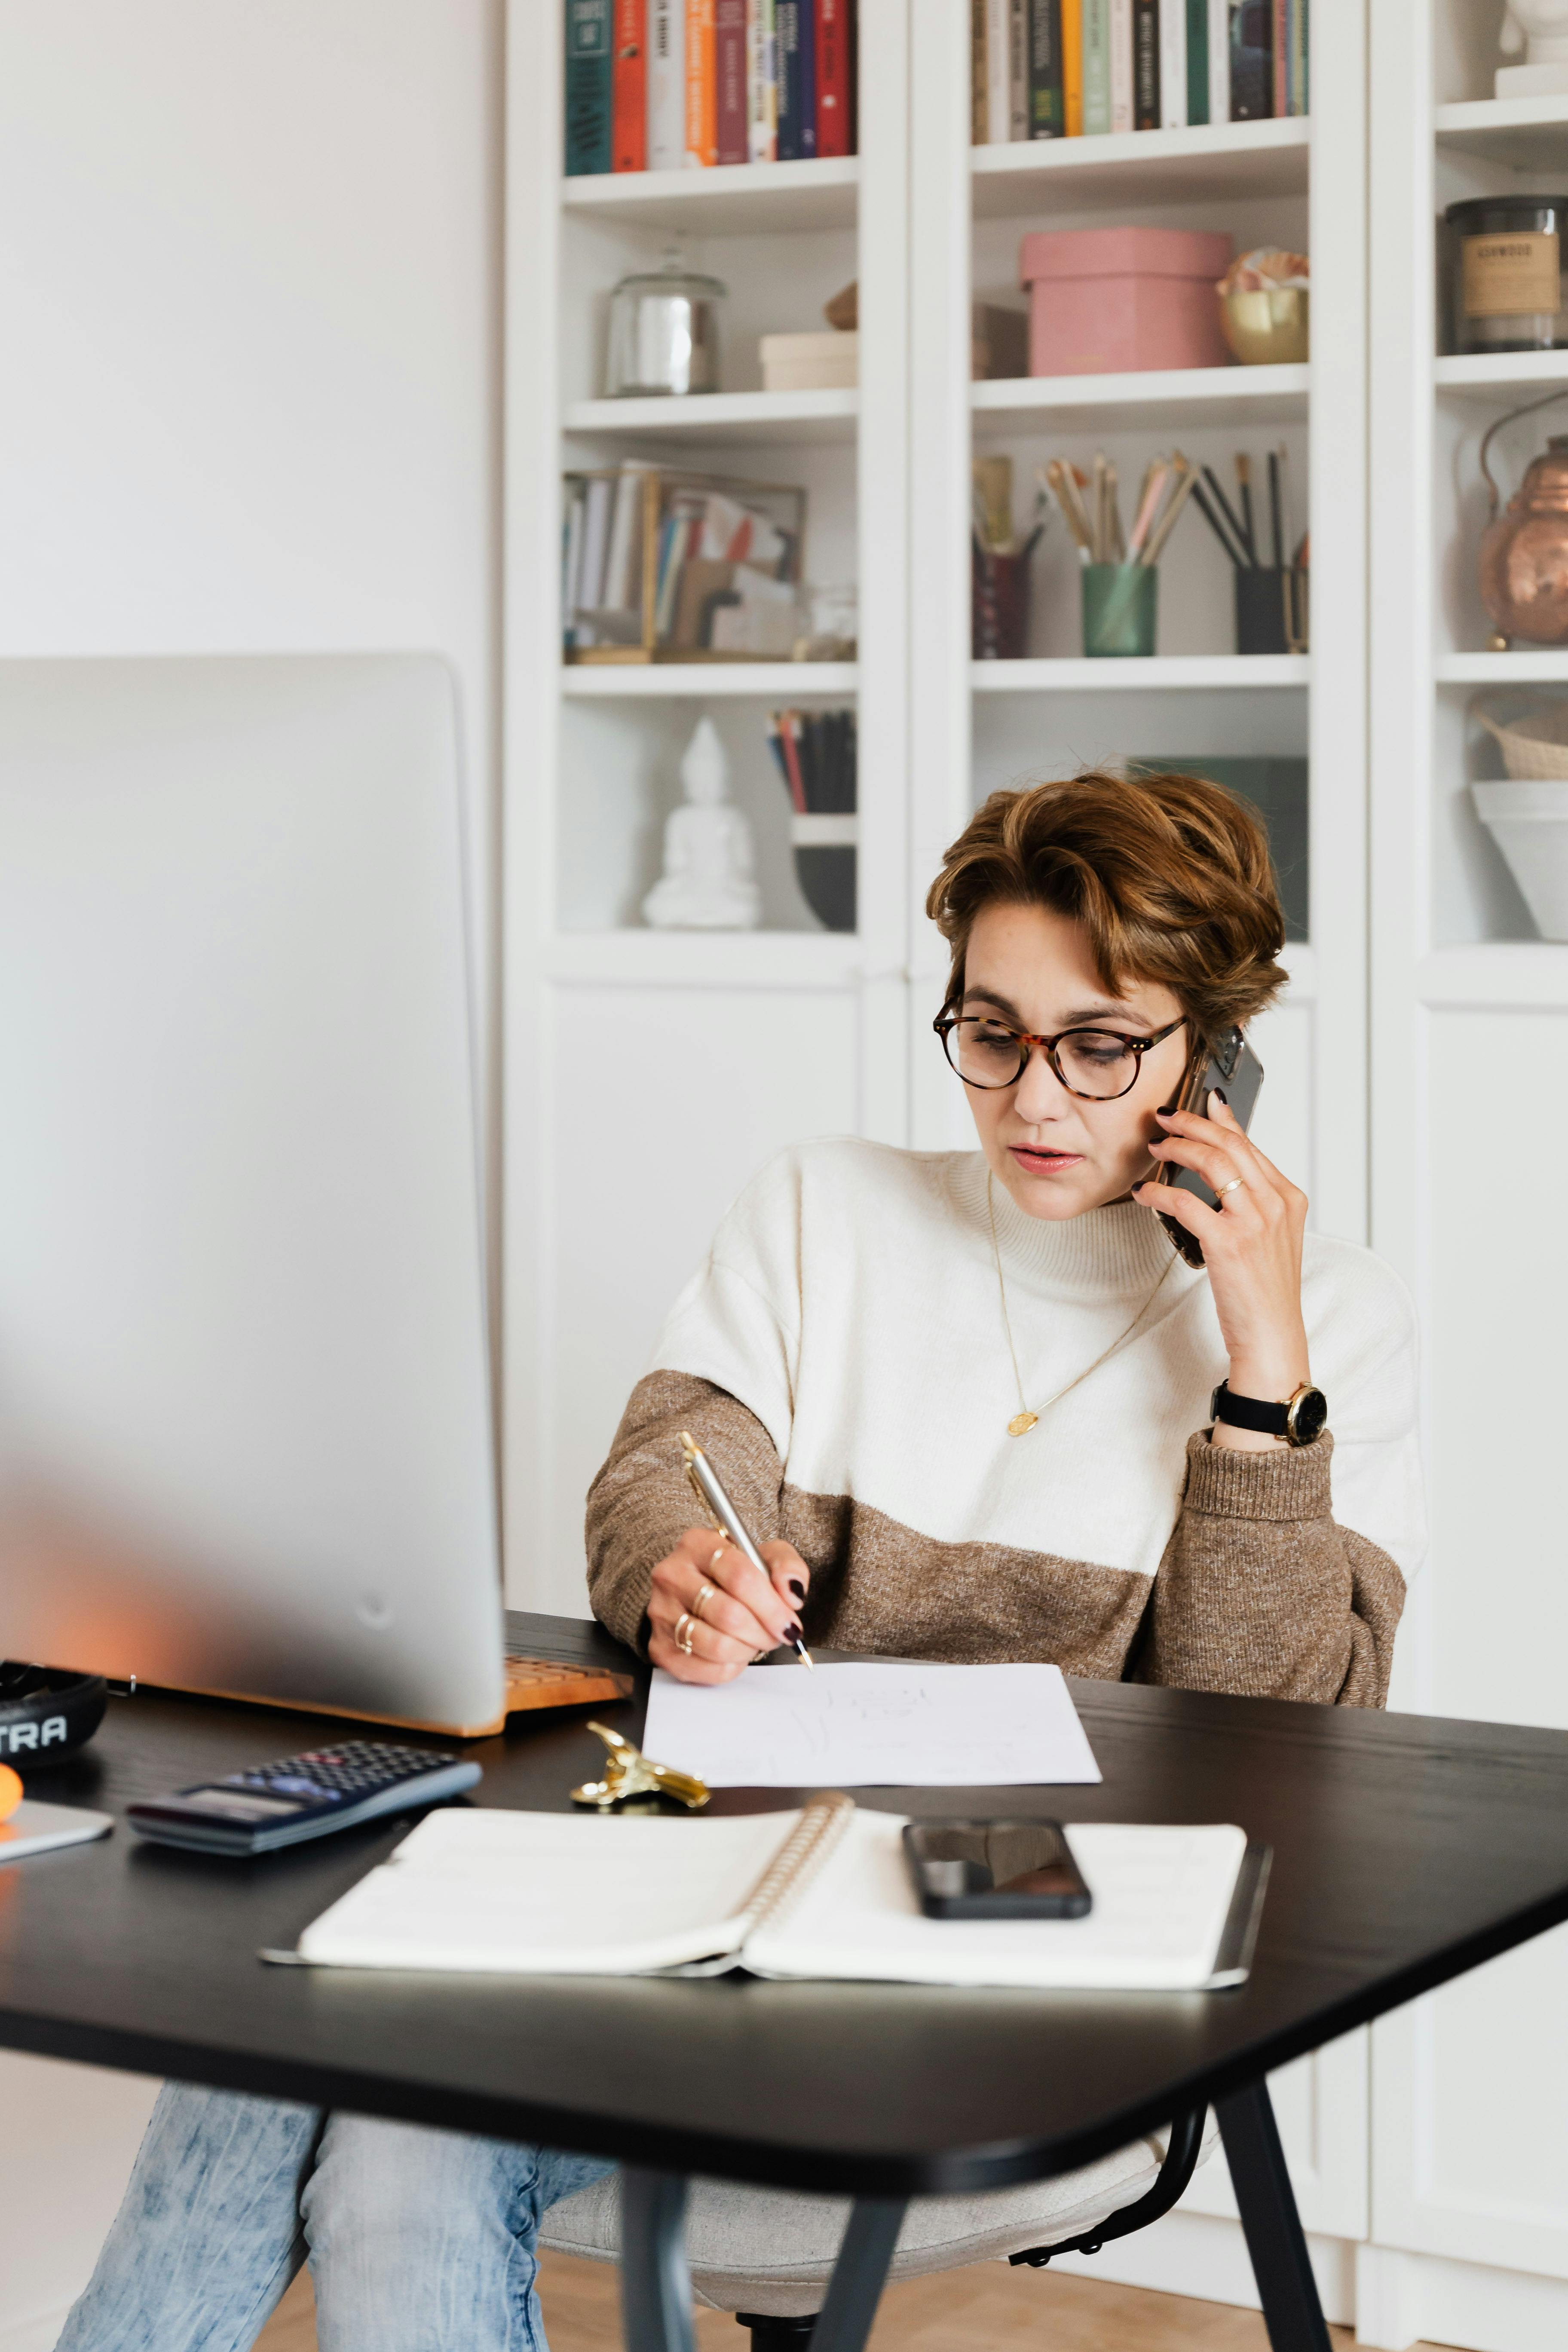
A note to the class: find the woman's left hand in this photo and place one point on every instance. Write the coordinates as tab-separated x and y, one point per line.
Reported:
1251	1244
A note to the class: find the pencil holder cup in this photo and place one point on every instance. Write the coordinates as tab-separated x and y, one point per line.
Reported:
999	605
1120	609
824	850
1271	609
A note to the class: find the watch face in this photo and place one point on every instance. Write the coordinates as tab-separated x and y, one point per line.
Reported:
1308	1416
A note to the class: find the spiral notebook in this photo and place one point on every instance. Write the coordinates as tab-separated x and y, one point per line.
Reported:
821	1891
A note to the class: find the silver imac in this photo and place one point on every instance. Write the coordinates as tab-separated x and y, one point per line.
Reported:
246	1439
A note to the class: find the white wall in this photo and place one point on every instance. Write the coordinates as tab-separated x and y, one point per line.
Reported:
250	401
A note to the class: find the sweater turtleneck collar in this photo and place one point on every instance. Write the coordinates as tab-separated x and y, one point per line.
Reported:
1116	1252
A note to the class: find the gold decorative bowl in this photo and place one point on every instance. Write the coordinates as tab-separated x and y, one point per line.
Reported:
1268	329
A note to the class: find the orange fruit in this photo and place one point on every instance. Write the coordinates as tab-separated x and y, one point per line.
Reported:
11	1792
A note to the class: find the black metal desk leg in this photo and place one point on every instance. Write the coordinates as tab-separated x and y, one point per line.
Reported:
856	2287
1291	2311
656	2285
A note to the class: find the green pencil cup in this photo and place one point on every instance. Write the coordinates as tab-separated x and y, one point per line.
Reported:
1120	609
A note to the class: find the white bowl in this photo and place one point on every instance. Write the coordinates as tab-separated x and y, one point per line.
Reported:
1527	819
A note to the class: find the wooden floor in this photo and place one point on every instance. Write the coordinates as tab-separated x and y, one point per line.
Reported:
988	2308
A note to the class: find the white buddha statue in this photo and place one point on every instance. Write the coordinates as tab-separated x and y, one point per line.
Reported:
1539	28
709	878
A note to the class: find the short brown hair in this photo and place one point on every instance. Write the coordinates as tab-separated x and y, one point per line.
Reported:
1169	875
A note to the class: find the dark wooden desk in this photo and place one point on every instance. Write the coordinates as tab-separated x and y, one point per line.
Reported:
1405	1852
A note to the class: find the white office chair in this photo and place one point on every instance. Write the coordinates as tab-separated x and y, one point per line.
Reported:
767	2254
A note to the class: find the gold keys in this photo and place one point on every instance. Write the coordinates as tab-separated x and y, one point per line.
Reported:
630	1773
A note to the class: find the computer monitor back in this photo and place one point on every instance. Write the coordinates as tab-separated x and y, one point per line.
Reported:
246	1438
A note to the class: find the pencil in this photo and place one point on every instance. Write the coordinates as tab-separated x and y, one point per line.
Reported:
1235	553
1244	476
1276	532
1225	509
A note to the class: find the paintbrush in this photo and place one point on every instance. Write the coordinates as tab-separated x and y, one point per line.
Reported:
1186	481
1223	506
1244	477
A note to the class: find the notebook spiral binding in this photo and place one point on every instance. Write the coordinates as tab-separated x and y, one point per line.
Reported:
821	1824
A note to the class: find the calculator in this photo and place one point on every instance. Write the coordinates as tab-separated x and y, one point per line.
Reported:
300	1797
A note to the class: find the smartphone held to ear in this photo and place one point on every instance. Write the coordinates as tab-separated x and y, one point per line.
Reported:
1230	1065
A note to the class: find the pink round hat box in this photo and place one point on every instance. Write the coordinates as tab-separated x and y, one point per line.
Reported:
1106	301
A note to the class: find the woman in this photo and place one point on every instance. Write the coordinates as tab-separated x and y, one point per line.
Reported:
965	1396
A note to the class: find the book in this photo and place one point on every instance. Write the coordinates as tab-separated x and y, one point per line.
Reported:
1296	16
998	95
595	542
791	72
1046	113
589	86
730	104
1146	64
623	579
1250	45
1172	65
1096	68
1072	68
629	135
1279	60
1199	61
1219	60
701	92
799	82
666	85
821	1891
1123	114
571	562
978	115
762	80
835	123
1017	69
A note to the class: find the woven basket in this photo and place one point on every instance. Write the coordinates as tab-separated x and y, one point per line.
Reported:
1535	748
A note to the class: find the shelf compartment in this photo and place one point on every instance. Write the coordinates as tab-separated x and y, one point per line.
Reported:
1485	379
1238	396
1206	670
1544	664
727	199
1142	167
785	682
1511	975
639	958
741	419
1526	133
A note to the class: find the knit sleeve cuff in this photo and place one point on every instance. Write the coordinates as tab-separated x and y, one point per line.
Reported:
1288	1482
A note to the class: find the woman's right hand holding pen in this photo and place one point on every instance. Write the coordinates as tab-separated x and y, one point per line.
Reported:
742	1614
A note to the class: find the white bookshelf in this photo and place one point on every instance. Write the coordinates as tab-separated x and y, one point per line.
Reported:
1468	1004
1231	397
754	420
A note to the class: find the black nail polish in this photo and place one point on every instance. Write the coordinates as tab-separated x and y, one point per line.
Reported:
1219	1095
798	1589
793	1633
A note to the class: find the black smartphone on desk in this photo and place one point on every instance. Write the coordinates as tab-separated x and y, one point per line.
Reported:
1231	1066
994	1870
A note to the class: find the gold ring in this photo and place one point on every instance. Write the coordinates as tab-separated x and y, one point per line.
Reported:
706	1594
1235	1185
687	1620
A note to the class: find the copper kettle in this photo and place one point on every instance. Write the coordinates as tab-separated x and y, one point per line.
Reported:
1524	550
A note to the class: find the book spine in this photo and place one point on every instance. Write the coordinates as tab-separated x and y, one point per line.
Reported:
1219	60
1146	64
998	110
789	81
1121	110
762	80
1018	69
666	85
977	75
1046	119
589	86
833	124
1197	61
1279	60
1072	68
1301	95
701	109
806	36
629	136
852	51
1096	68
729	135
1172	65
1251	62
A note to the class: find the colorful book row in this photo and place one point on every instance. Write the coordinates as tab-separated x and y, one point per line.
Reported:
1073	68
659	85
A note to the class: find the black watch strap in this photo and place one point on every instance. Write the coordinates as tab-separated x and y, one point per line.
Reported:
1299	1419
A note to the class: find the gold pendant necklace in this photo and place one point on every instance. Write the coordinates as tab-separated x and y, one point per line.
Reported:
1023	1420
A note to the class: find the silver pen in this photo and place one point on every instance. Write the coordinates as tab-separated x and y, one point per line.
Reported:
726	1517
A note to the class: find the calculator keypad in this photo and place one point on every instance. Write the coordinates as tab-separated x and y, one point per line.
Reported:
351	1769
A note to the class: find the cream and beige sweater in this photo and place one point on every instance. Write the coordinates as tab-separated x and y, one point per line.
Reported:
841	1355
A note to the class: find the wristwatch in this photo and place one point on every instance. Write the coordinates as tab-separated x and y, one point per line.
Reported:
1299	1419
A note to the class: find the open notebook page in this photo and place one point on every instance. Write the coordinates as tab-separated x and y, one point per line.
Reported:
890	1726
547	1893
1160	1900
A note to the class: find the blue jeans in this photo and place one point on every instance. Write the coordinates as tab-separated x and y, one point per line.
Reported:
418	2240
